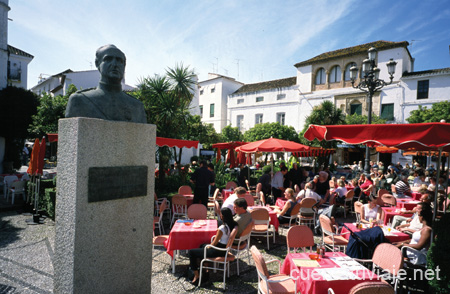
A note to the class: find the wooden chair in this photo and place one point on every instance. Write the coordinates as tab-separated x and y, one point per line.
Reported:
348	199
330	235
299	237
267	283
261	227
224	261
197	211
185	190
243	244
231	185
307	214
179	207
369	288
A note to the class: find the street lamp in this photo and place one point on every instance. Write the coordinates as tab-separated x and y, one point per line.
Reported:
370	83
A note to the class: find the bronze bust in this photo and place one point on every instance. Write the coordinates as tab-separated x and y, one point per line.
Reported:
107	101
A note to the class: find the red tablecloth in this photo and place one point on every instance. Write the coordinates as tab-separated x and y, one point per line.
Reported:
184	237
396	237
311	282
407	203
189	200
280	202
390	212
416	195
272	214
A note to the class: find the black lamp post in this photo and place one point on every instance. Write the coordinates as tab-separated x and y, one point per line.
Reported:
370	83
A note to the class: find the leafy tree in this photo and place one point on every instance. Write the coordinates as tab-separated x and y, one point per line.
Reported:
356	119
49	111
17	106
230	134
205	133
438	111
267	130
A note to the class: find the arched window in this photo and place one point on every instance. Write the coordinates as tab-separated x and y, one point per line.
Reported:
347	71
335	74
320	76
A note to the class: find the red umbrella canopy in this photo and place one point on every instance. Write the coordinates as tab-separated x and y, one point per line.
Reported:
241	158
228	145
231	159
423	136
272	145
32	167
170	142
40	163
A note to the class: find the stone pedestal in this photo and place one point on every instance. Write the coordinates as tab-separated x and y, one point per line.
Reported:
104	205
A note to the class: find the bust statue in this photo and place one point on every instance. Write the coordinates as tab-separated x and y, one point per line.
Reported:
107	101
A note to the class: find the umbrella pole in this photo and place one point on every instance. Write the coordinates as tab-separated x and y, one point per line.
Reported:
437	185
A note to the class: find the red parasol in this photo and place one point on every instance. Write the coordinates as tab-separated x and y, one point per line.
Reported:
241	158
34	158
170	142
249	160
40	163
315	151
231	159
423	136
272	145
218	155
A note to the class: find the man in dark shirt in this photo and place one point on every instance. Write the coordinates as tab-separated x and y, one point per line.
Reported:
295	176
323	185
202	178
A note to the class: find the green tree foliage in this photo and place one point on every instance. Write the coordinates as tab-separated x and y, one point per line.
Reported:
356	119
205	133
267	130
230	134
438	111
17	106
49	111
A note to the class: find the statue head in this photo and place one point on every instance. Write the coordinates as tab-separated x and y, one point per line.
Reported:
110	62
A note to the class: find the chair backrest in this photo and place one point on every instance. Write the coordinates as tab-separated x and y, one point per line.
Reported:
381	192
216	194
185	190
349	194
231	185
246	232
299	236
296	209
372	288
260	215
388	257
232	237
25	177
250	200
325	223
197	211
358	207
162	207
9	179
179	203
18	186
259	261
389	199
308	202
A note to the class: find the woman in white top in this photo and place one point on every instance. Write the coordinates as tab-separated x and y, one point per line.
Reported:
220	240
371	210
340	192
420	239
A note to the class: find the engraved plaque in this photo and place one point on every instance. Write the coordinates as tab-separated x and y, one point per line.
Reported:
116	182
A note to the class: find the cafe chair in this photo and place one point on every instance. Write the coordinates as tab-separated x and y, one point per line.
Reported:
293	217
412	268
267	283
179	208
369	288
218	262
197	211
16	188
158	220
7	181
250	200
243	244
330	236
212	202
185	190
261	226
381	192
25	177
389	200
299	237
217	209
348	199
231	185
358	210
386	259
158	202
307	213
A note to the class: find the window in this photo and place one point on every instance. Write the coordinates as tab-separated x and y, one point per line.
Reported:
335	74
213	90
258	118
347	71
320	76
259	99
240	122
240	101
280	118
281	96
356	108
422	89
201	110
387	111
201	92
211	110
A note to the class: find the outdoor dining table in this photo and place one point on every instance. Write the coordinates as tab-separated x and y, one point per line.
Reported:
335	270
281	202
272	214
415	195
389	213
407	203
184	237
392	235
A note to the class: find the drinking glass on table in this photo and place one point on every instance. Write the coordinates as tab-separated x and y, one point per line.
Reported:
388	225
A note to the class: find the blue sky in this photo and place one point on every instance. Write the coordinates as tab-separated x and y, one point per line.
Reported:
251	41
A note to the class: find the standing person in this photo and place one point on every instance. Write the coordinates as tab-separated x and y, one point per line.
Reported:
243	175
323	185
220	241
202	178
296	177
278	183
212	187
264	181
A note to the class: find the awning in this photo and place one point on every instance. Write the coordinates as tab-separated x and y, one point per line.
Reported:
160	141
315	152
52	138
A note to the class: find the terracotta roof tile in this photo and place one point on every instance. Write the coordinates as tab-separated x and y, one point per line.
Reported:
380	45
281	83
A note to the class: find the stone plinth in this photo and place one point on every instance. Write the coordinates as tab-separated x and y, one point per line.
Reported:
103	238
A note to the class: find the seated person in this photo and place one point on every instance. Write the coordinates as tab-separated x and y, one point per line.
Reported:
402	187
309	193
420	239
288	206
371	211
412	224
220	240
340	192
419	180
367	187
239	192
242	216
